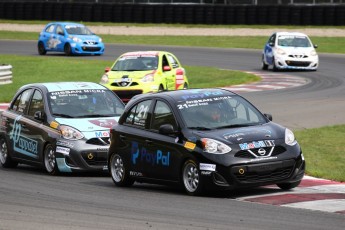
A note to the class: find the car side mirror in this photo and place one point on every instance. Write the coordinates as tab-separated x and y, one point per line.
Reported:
271	44
166	68
315	46
166	129
61	33
269	116
107	69
39	115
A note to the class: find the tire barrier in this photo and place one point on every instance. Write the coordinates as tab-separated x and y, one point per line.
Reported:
175	13
5	74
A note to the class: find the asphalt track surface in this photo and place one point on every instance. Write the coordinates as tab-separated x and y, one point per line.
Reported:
30	199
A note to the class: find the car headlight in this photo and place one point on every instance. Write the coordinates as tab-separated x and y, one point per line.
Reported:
100	40
281	52
289	137
313	53
70	133
148	78
104	79
76	39
214	146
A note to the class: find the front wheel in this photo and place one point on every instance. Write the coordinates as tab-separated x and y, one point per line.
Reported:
68	50
264	66
191	178
50	160
288	186
5	158
119	171
275	69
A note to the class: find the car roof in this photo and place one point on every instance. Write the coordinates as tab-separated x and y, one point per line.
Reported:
291	33
61	86
144	52
187	94
66	23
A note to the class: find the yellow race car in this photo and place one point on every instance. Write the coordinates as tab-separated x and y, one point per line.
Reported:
143	72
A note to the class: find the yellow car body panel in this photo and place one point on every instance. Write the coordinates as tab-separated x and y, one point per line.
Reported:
143	72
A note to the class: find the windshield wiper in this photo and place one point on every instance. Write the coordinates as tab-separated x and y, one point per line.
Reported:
62	115
199	128
234	126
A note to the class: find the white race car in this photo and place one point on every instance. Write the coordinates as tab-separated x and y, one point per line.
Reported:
290	50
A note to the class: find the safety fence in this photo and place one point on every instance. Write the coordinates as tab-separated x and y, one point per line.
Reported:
5	74
176	13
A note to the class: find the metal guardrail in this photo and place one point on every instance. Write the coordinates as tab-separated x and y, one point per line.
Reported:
5	74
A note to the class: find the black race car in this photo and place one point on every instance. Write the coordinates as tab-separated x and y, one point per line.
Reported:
202	139
61	126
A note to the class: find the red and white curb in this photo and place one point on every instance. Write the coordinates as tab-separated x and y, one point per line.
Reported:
269	81
312	193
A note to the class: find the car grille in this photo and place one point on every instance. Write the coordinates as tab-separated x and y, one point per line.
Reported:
99	141
298	56
298	63
95	158
124	84
254	177
91	49
254	152
126	95
90	43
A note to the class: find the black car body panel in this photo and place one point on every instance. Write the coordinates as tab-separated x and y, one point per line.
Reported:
253	152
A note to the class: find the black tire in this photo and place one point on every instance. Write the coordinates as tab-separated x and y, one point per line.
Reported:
161	88
67	49
275	69
191	178
41	49
264	66
288	186
49	160
119	171
5	158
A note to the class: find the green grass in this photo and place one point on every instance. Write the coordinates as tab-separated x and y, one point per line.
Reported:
28	69
324	151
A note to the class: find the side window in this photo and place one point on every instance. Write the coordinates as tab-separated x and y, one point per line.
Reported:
36	103
59	30
164	61
50	29
173	61
162	115
137	116
22	101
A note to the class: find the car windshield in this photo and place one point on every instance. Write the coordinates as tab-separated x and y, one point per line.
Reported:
293	41
77	30
85	103
219	112
136	63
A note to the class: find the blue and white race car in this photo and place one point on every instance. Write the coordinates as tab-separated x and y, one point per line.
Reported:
289	50
62	127
70	38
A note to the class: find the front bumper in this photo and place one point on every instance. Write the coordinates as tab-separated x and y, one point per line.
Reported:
80	48
288	62
81	156
254	175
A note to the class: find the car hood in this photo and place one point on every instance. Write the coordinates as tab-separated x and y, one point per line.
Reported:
89	124
268	131
128	74
86	37
297	50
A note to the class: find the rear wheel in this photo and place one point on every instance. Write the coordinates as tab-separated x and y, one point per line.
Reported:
67	49
288	186
5	158
50	160
41	49
119	171
191	178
